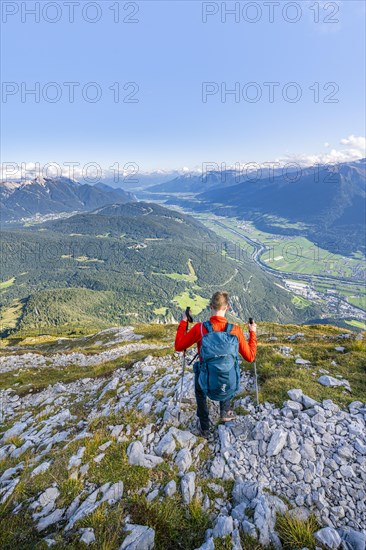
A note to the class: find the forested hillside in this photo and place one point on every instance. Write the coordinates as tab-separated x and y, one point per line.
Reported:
125	263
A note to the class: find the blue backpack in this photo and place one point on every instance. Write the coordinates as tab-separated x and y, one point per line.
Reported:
219	373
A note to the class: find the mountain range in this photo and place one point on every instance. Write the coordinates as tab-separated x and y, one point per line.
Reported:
23	199
329	203
194	182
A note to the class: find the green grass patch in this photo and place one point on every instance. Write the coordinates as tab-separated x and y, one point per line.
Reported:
296	534
196	302
176	526
161	311
9	316
357	324
6	284
114	467
301	302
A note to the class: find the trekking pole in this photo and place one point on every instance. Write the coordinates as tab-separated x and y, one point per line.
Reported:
255	370
189	320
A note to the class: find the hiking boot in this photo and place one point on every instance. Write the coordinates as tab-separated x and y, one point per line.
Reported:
203	433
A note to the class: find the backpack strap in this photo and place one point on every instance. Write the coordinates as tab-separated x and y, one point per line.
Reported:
229	327
208	326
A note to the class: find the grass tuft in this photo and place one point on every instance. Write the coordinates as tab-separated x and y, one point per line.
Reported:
296	534
176	526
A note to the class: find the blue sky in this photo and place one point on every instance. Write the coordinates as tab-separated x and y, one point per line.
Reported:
169	53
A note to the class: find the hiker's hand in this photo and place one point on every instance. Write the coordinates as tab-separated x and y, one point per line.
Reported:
252	327
184	316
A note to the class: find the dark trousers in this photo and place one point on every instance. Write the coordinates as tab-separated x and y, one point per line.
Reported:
202	409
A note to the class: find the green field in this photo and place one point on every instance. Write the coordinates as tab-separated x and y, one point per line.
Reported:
190	277
355	294
293	254
297	255
197	303
243	247
9	316
357	324
300	302
6	284
161	311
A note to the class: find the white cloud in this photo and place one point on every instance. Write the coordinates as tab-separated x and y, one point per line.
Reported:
354	147
349	149
354	141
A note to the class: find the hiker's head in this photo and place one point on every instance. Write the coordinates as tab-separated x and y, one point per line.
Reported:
219	303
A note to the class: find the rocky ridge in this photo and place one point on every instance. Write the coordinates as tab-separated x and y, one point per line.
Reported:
303	458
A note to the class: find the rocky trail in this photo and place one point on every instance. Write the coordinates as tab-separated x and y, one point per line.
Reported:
95	445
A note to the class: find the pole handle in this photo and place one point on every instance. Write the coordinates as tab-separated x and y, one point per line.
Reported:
188	315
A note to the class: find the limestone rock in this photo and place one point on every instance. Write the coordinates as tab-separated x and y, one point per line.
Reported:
277	442
328	537
140	537
87	536
188	487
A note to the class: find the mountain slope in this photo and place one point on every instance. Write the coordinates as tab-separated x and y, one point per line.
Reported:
24	199
331	204
93	444
139	260
196	183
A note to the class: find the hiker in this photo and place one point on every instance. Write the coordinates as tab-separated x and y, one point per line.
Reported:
222	367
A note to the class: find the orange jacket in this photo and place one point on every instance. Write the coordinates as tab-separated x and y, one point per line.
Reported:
184	340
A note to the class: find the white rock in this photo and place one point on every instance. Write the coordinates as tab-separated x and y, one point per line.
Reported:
327	380
308	452
352	539
112	385
41	468
295	395
140	537
166	445
300	361
217	467
15	430
184	437
21	450
75	460
292	456
188	487
136	456
105	446
224	526
183	460
308	402
99	458
114	493
54	517
170	488
10	472
88	535
277	442
48	496
328	537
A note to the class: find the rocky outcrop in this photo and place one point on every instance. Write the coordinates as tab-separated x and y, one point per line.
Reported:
304	457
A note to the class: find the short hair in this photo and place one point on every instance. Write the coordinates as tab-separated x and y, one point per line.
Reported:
219	300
